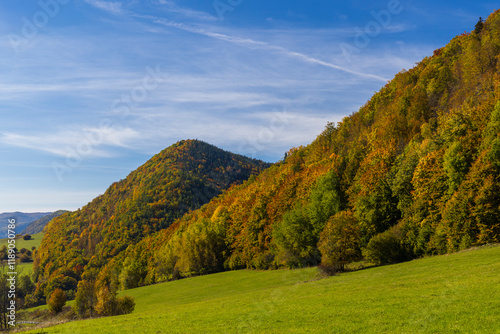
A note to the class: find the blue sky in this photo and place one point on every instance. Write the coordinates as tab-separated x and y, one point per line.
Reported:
91	89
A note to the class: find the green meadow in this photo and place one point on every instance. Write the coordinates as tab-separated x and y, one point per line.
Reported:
457	293
35	240
25	268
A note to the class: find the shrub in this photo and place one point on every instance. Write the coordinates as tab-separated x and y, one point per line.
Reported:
387	248
327	270
57	300
25	258
27	237
106	302
125	305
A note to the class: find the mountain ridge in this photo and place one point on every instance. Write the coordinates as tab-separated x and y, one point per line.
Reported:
38	225
23	219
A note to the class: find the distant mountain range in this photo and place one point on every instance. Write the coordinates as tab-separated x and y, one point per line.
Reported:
22	221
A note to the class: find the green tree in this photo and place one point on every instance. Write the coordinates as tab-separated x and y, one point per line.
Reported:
86	299
402	174
456	165
106	301
374	204
133	273
63	282
326	200
340	241
479	26
295	240
25	286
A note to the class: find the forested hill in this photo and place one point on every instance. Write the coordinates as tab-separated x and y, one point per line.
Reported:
415	171
179	179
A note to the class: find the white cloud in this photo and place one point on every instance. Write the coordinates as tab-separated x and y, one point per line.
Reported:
87	142
267	133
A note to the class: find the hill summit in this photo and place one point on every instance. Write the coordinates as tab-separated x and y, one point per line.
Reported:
181	178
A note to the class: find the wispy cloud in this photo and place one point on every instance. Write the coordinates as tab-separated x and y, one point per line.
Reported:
112	7
90	142
172	7
247	42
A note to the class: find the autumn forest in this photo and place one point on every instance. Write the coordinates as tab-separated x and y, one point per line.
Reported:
415	172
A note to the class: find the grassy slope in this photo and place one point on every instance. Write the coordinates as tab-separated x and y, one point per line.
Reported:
24	268
455	293
27	267
36	239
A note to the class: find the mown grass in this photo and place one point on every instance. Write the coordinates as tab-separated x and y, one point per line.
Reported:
458	293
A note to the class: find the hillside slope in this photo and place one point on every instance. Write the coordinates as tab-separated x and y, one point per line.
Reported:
415	171
442	294
38	225
181	178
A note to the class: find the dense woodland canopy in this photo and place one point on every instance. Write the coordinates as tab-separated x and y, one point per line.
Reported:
416	171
